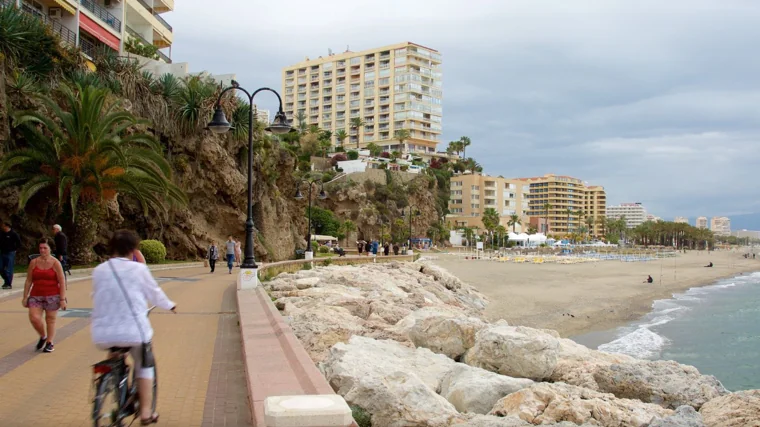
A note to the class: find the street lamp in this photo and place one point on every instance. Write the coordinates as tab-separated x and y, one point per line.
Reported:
322	195
220	125
412	213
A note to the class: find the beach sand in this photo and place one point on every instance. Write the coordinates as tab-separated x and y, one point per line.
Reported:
600	295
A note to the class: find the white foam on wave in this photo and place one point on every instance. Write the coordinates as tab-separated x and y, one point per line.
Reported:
641	343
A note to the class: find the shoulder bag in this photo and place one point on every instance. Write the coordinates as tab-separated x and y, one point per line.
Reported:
148	361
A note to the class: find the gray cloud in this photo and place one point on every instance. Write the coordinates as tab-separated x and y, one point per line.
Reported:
657	101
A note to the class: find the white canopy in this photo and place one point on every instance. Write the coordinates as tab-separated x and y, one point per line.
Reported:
538	238
518	237
320	238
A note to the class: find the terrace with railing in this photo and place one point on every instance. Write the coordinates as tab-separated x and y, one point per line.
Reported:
102	14
156	15
67	36
142	40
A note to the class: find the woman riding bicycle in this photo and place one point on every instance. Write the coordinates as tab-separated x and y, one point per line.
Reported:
114	323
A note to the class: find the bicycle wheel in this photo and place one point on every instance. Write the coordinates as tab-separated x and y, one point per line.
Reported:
106	404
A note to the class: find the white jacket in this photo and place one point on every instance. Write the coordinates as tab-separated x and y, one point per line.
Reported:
113	324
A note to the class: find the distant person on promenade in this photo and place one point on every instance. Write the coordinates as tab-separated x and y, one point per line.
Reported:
238	252
212	256
359	246
61	245
44	291
386	249
10	242
395	249
375	247
230	253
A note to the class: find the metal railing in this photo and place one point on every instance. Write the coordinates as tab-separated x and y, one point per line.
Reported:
67	36
102	14
87	48
142	40
166	24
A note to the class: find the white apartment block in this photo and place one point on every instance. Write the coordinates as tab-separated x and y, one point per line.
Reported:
635	214
261	115
720	226
681	220
387	89
702	222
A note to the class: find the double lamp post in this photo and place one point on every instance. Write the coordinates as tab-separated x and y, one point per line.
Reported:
220	125
299	196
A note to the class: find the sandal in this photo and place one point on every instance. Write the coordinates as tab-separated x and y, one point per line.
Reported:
148	421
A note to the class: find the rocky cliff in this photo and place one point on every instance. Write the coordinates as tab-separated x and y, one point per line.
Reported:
408	344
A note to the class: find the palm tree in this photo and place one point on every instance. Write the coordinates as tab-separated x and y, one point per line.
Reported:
84	155
601	222
356	123
514	221
590	224
501	232
301	119
402	135
348	227
469	234
579	213
490	220
341	136
569	213
547	208
465	142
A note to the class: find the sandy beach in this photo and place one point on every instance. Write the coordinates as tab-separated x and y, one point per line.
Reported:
578	298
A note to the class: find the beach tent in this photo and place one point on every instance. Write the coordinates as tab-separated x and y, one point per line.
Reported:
522	237
537	239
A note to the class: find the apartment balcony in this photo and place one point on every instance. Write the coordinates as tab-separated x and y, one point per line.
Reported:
102	14
68	37
162	6
161	55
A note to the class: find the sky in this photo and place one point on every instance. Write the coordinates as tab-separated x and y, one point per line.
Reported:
657	101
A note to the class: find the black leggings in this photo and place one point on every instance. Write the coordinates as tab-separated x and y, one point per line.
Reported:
212	264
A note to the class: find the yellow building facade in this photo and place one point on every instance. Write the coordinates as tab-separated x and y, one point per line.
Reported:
472	194
389	88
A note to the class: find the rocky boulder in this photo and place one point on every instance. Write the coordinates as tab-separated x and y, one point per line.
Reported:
445	334
665	383
685	416
546	403
515	351
739	409
476	390
577	364
318	330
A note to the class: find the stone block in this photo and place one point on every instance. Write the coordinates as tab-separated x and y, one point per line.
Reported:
327	410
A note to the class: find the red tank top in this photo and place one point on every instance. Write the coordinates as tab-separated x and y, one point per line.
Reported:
44	283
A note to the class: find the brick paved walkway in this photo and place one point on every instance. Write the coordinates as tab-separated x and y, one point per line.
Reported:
198	357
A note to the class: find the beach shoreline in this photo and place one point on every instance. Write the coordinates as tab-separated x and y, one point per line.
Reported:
576	299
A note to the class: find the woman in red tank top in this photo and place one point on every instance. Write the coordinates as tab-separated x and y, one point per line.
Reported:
44	291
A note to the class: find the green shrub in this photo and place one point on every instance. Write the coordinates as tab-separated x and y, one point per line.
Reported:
153	251
353	155
327	262
362	418
323	249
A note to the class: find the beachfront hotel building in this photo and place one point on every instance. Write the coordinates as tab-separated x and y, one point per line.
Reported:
720	226
389	88
93	25
565	193
472	194
634	213
702	222
681	220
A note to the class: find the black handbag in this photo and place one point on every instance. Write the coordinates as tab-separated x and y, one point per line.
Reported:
148	360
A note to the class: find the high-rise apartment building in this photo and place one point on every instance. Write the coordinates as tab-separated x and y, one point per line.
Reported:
681	220
472	194
702	222
720	226
634	214
391	88
563	194
93	25
261	115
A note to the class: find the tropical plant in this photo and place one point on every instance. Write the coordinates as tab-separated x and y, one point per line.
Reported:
168	86
514	221
547	208
355	124
133	45
569	212
464	143
341	136
347	228
374	149
402	135
83	155
532	230
490	219
590	224
501	232
301	120
469	235
353	155
194	103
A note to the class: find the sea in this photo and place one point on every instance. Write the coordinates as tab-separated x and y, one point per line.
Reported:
715	328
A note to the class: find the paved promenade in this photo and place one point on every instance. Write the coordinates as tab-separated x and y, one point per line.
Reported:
198	356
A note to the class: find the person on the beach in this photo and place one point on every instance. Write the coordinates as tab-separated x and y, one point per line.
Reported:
649	279
710	264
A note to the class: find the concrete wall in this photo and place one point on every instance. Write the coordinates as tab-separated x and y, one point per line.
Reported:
377	176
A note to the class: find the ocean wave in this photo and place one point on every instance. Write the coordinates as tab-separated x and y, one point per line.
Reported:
641	343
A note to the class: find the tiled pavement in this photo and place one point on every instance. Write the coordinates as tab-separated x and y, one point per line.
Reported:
198	356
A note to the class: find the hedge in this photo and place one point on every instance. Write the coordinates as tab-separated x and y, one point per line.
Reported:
153	251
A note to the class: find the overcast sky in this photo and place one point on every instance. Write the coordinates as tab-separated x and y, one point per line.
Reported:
656	100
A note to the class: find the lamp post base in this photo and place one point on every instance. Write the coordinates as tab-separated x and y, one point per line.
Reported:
248	278
410	252
308	255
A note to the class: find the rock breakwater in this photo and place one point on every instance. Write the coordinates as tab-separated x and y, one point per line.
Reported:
408	343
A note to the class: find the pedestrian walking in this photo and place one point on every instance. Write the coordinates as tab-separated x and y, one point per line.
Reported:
212	256
238	252
386	249
44	291
368	247
10	242
61	245
230	253
375	246
359	246
395	249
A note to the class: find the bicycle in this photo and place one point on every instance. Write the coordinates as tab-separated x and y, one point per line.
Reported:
112	378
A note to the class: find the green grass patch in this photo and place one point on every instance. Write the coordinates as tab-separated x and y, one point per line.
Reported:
361	416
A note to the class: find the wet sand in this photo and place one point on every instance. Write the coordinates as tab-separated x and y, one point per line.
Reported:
575	299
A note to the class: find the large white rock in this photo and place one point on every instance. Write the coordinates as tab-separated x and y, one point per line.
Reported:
664	382
318	329
451	336
476	390
577	364
739	409
546	403
307	282
515	351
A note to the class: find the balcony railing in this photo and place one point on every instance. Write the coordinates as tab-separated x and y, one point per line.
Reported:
156	15
67	36
102	14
